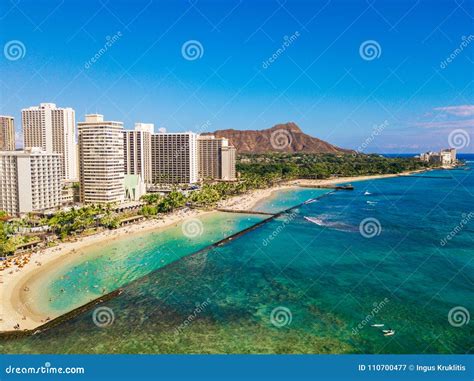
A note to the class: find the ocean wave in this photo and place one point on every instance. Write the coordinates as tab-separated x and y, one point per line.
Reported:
335	225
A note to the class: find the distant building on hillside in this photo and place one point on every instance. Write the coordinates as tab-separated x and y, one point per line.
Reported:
30	181
7	133
445	157
101	158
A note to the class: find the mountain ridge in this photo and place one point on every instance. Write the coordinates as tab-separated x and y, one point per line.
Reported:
286	137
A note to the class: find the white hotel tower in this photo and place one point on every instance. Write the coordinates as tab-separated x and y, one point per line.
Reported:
137	151
30	180
101	158
52	129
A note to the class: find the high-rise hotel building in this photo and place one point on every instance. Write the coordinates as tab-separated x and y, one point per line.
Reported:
30	180
174	158
52	129
137	151
7	133
229	154
216	158
101	158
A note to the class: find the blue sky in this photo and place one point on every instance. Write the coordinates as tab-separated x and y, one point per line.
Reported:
408	97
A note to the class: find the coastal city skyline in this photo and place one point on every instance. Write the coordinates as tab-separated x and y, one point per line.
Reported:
286	178
376	71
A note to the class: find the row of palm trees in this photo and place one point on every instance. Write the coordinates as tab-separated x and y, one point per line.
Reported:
208	195
77	220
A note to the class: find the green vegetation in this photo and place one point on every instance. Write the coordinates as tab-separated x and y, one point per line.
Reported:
256	172
64	224
322	166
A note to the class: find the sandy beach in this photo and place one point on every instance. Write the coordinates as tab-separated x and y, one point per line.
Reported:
15	308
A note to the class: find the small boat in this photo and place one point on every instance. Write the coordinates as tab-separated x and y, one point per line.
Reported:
377	325
388	332
366	193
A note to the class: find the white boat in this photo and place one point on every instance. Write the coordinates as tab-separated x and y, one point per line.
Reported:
377	325
366	193
388	332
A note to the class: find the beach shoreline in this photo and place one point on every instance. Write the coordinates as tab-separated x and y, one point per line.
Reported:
16	308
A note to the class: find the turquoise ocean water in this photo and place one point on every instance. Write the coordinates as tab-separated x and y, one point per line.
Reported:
313	280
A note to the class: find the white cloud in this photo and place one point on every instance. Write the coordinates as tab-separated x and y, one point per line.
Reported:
462	110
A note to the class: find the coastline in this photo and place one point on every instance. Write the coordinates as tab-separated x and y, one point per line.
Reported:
15	307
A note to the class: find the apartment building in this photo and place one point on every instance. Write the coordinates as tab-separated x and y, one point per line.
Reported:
137	151
30	181
174	158
101	159
229	154
52	129
216	158
7	133
445	157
